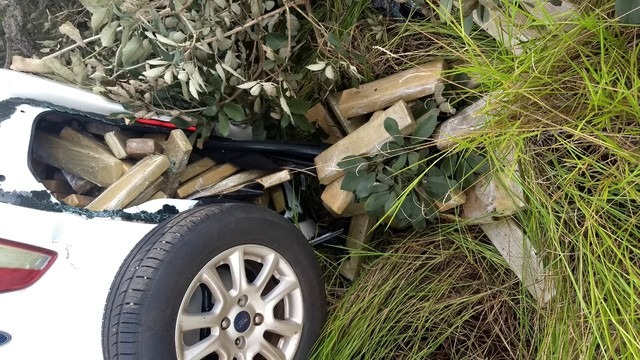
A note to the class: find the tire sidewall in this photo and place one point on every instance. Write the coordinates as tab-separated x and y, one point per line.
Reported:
239	224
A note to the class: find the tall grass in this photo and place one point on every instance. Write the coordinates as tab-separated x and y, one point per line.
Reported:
570	110
442	294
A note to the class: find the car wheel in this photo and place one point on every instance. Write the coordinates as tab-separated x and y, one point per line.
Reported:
226	281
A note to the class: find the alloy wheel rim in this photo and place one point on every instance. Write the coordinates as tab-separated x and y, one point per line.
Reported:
244	304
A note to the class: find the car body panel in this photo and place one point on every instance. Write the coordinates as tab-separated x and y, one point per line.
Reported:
16	85
60	316
15	133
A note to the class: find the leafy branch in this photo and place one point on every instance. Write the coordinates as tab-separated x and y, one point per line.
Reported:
213	64
404	183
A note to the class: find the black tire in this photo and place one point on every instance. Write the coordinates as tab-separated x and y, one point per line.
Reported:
143	304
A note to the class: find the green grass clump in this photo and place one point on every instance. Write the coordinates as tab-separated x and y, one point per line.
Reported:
569	109
441	295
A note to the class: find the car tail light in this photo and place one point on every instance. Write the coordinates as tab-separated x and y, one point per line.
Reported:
21	265
161	123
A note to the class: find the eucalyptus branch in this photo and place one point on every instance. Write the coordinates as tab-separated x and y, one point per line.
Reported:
71	47
227	34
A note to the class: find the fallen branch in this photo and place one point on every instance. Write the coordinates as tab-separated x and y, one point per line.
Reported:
227	34
71	47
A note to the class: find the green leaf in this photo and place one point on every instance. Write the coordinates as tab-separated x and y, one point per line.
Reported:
71	31
181	123
204	132
94	5
449	164
285	121
164	55
391	148
435	172
477	163
120	115
399	163
388	180
628	11
378	187
437	186
363	189
156	20
426	125
302	123
401	221
298	106
463	169
359	57
464	174
100	17
269	64
376	202
419	223
467	24
445	7
224	126
391	127
468	181
258	131
296	77
210	100
132	51
276	40
211	110
411	207
178	56
391	201
413	158
234	112
333	40
350	182
352	163
108	34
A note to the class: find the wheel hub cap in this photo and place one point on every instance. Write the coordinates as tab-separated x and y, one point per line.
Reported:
254	308
242	321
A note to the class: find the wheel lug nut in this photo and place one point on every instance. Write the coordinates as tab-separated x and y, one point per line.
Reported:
242	301
240	342
225	323
258	319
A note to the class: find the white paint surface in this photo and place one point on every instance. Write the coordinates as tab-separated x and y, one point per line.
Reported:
60	316
20	85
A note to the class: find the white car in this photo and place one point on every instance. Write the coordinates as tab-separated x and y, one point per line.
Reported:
168	279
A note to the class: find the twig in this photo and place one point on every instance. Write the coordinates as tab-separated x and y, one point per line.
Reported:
288	34
185	6
317	28
259	19
8	47
71	47
131	68
167	11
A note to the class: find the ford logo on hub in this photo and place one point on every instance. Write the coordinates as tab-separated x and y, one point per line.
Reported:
4	338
